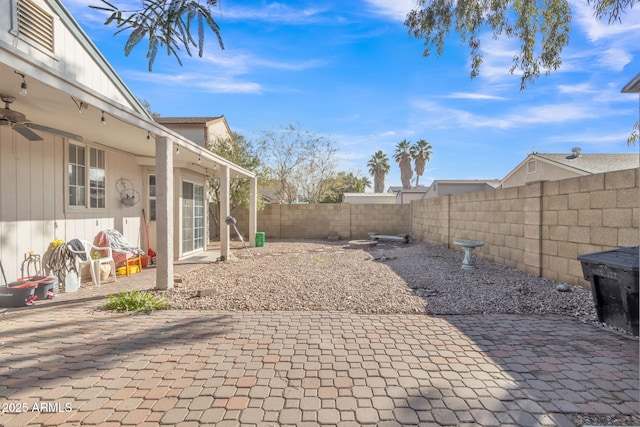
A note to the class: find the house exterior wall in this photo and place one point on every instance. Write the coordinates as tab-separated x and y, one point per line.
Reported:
193	133
544	171
212	132
369	198
405	197
444	188
33	209
217	131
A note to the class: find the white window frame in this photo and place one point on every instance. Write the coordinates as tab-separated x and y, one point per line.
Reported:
88	171
194	184
152	197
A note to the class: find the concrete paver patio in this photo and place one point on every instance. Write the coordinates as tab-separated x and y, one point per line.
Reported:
66	363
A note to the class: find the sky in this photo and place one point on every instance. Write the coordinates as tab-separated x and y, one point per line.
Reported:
348	71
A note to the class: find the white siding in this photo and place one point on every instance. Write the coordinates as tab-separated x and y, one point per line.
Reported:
69	58
32	199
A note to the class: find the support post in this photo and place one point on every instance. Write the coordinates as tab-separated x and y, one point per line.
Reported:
164	213
253	210
225	211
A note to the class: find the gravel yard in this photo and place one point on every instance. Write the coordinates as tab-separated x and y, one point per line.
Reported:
392	278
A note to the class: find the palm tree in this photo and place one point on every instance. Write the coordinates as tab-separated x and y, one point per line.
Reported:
402	156
362	184
421	154
379	167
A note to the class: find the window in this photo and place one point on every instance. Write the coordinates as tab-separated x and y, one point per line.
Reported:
97	188
82	170
152	197
532	166
77	188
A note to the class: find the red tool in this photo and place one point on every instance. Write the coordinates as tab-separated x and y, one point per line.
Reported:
150	252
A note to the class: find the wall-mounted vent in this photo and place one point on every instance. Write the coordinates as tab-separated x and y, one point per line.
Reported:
35	24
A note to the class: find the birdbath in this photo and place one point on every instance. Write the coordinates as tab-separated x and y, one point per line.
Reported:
468	246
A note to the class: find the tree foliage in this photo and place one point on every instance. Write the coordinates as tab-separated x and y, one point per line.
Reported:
421	154
164	23
345	183
238	150
541	26
301	163
635	134
402	156
379	167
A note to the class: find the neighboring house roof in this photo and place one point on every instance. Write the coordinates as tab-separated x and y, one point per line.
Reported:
187	120
395	189
442	187
495	183
594	163
207	129
584	164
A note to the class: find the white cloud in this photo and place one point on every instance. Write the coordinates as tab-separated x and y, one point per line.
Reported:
470	95
576	88
497	59
394	9
204	81
597	30
224	71
613	44
442	117
611	142
615	59
555	113
272	12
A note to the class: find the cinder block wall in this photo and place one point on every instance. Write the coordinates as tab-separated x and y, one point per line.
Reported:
319	221
587	214
379	219
539	228
430	220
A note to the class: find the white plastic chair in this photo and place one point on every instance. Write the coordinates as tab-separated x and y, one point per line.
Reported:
90	248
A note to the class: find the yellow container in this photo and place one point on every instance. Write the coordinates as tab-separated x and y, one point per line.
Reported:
122	271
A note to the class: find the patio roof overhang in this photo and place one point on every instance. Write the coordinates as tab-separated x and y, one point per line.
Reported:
53	100
633	86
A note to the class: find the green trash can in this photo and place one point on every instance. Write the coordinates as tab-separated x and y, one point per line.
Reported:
260	239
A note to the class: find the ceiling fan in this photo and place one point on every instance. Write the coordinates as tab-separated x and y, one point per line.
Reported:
20	124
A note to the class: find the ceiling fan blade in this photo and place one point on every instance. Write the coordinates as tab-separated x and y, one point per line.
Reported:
27	133
55	131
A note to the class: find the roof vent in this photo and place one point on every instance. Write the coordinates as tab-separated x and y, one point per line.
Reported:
576	152
35	24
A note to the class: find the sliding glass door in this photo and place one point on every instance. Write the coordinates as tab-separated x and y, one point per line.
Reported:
192	217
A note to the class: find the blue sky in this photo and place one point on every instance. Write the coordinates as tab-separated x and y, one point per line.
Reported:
349	71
